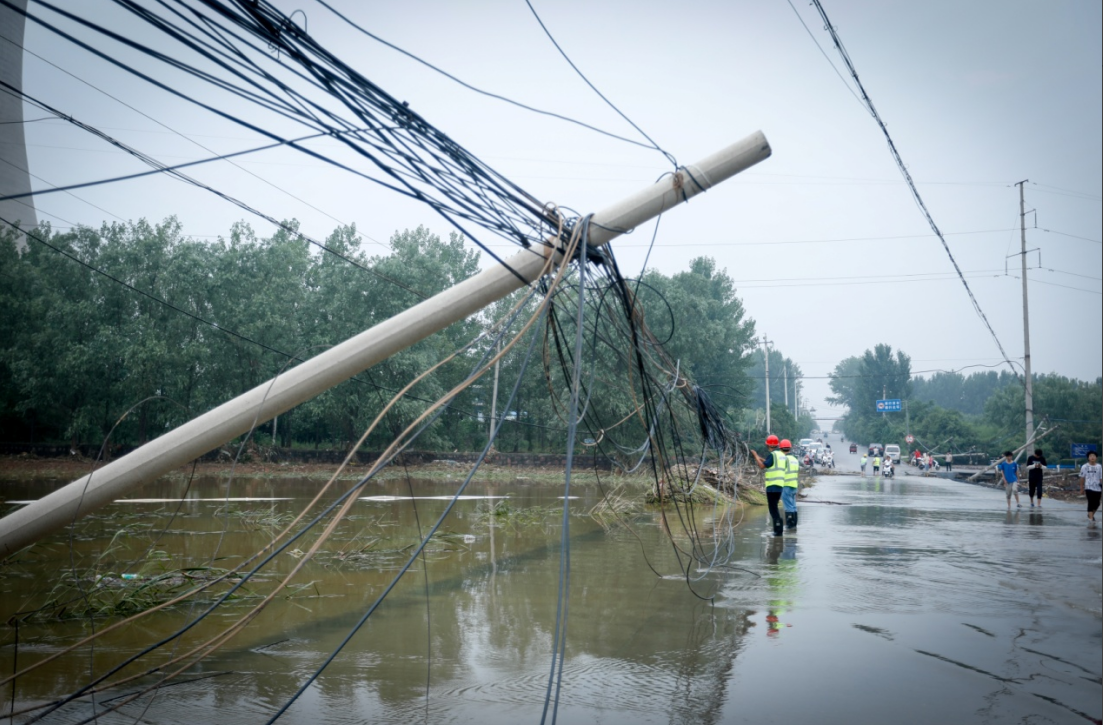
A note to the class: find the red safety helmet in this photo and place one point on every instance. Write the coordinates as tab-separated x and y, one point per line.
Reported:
785	444
771	440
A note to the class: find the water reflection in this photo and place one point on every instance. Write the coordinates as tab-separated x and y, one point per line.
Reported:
990	612
472	624
783	579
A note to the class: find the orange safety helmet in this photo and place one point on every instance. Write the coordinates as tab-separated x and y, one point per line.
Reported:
785	444
771	440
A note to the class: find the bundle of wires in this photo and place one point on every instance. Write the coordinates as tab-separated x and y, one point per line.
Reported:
258	55
596	346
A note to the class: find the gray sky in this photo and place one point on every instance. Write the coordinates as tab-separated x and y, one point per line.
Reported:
829	252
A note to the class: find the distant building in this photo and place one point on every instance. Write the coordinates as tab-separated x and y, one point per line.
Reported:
14	176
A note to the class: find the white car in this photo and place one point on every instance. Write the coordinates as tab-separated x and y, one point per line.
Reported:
893	451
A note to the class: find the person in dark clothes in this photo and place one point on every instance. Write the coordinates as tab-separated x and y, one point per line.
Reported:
1035	467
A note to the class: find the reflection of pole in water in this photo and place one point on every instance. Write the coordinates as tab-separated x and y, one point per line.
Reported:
493	553
705	670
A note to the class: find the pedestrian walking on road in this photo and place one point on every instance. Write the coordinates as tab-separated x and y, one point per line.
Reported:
863	462
789	488
775	465
1035	468
949	461
876	465
1009	471
1090	475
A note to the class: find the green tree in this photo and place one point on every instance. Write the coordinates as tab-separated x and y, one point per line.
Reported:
878	374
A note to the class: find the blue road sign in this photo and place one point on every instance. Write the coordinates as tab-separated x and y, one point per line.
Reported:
890	405
1081	450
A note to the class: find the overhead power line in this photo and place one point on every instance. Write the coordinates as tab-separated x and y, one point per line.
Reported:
173	131
470	87
174	172
255	52
907	175
1073	236
601	95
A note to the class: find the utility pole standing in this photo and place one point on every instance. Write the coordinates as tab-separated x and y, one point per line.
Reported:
766	357
786	384
1028	383
494	395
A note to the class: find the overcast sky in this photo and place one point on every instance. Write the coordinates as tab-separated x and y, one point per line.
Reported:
829	252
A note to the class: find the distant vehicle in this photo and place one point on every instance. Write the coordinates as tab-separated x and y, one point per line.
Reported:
893	451
876	449
804	443
853	447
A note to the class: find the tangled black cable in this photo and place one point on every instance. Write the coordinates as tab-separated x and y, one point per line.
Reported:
301	83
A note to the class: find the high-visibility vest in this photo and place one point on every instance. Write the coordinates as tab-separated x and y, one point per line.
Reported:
792	473
775	474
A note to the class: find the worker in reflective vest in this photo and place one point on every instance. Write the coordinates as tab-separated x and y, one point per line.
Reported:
789	487
776	465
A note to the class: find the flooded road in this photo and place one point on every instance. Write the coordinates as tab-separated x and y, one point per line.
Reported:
913	601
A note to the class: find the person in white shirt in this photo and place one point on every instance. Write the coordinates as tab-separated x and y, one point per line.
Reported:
1090	475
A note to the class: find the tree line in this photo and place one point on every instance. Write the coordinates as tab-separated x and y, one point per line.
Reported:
135	328
983	412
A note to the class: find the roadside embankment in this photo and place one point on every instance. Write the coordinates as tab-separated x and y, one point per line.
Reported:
528	469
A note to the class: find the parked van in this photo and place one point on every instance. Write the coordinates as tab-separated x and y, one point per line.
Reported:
893	451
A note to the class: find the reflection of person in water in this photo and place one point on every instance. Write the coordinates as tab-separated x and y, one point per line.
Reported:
781	576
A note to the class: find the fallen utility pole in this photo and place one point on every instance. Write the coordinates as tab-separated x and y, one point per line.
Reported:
338	364
1016	453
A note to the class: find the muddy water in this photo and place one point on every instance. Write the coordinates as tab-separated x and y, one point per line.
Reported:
915	601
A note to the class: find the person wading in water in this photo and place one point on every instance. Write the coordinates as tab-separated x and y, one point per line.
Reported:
776	465
790	486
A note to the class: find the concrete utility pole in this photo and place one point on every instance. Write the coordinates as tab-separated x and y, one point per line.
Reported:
494	394
14	175
1028	383
766	357
787	385
353	356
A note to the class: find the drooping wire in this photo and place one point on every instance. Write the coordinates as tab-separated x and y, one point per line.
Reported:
416	159
908	178
559	638
470	87
417	551
669	157
174	172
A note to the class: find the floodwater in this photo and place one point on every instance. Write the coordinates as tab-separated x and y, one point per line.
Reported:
910	601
